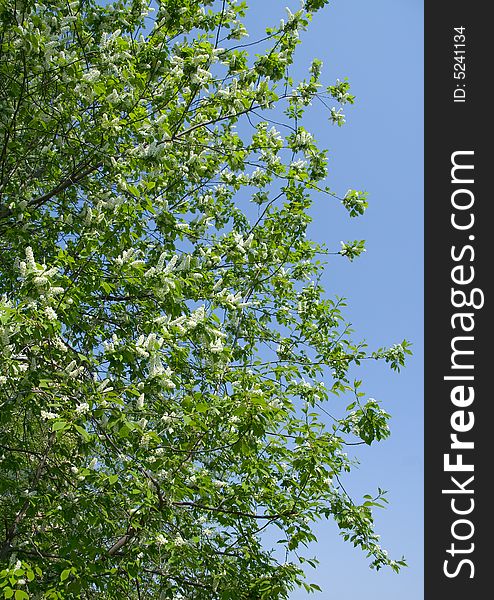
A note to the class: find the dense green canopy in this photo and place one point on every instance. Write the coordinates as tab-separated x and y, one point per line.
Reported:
168	358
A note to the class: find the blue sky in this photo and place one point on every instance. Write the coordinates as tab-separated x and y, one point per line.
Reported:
379	46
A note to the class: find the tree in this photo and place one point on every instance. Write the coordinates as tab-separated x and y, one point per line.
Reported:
165	341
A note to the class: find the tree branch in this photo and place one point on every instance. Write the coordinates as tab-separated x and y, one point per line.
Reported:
234	512
5	548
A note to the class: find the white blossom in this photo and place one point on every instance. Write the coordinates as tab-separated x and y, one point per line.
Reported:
302	139
103	386
155	366
91	76
113	97
220	484
179	541
58	343
45	415
73	370
51	314
82	408
30	258
217	346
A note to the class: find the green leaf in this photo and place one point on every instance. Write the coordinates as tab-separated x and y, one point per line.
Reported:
83	432
133	190
124	431
59	425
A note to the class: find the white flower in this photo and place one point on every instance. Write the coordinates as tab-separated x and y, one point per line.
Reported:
127	256
91	75
73	370
218	284
276	404
196	317
146	438
140	402
257	177
179	541
217	346
113	97
169	384
23	268
40	280
30	257
220	484
155	366
298	165
48	415
93	464
153	342
88	215
302	139
184	263
58	343
170	266
178	322
82	408
103	386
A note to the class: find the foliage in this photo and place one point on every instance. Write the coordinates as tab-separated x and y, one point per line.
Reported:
164	339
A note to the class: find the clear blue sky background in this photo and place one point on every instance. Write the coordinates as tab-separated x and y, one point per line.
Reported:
378	45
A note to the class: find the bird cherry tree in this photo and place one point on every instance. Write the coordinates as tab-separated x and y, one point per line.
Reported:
168	356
